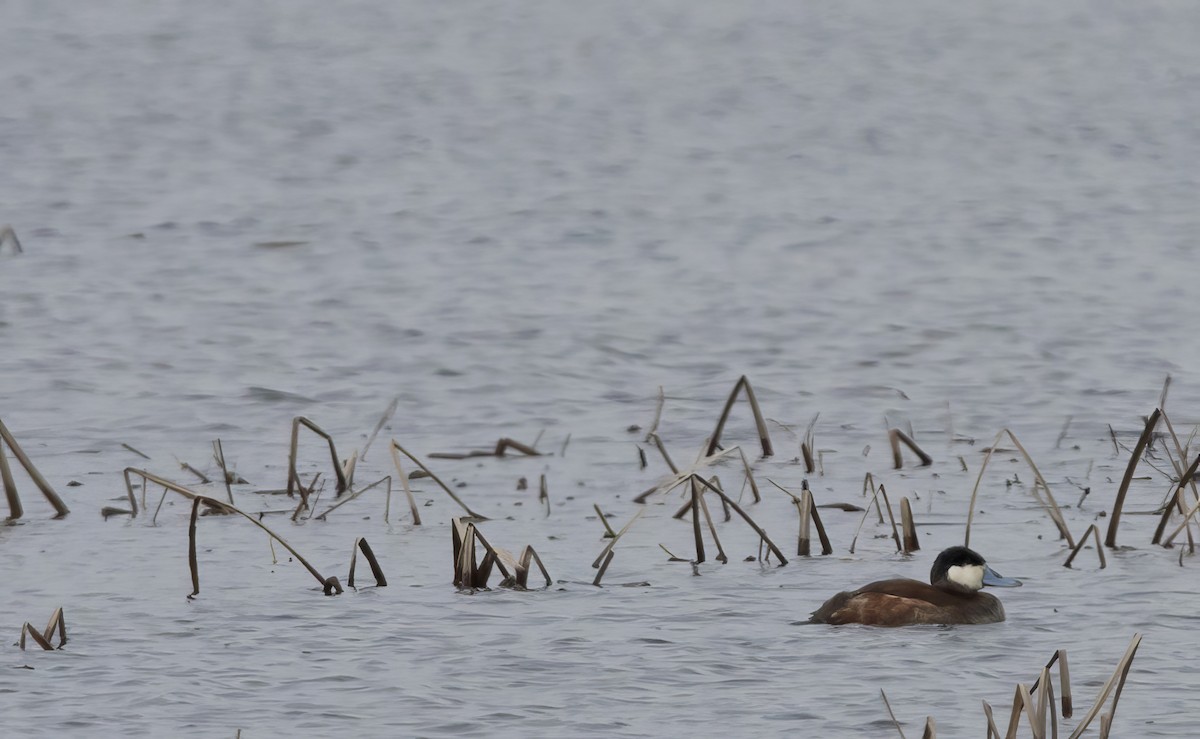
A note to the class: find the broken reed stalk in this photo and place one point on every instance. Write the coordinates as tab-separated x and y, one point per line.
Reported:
219	456
193	563
1083	540
1064	681
470	574
412	502
544	495
892	518
361	544
891	715
293	476
329	584
682	477
506	443
874	497
10	488
617	537
712	529
608	530
806	506
603	568
658	444
1176	500
696	521
15	509
992	731
7	234
763	437
387	414
1051	507
911	543
895	438
658	409
808	444
745	516
477	517
749	475
1118	677
930	728
1110	539
355	494
58	622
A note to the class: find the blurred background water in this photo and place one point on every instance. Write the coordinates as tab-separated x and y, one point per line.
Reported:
523	220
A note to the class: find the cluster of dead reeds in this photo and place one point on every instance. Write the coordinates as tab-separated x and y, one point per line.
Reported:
1033	705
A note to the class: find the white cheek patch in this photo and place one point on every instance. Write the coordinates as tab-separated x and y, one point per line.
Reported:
968	576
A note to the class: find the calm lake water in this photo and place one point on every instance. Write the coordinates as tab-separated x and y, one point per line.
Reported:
521	221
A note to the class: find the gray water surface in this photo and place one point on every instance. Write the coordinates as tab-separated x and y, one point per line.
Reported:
524	219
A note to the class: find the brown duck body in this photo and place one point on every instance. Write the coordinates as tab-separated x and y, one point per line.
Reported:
904	602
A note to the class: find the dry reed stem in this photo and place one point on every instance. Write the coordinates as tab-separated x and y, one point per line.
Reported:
529	555
658	444
355	494
608	530
544	494
506	443
721	557
749	475
330	584
219	456
293	476
682	477
412	502
1052	508
891	715
376	570
806	506
1182	524
867	511
642	457
193	563
911	543
441	484
7	234
15	509
696	521
1029	707
892	519
764	437
135	451
1014	716
348	468
1176	499
808	444
387	414
658	409
746	517
992	731
563	452
1118	676
57	622
613	543
930	728
1083	540
7	437
1110	540
895	438
603	568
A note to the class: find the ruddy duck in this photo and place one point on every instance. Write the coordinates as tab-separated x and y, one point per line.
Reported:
953	598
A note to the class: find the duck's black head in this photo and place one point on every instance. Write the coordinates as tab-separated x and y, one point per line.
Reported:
960	568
